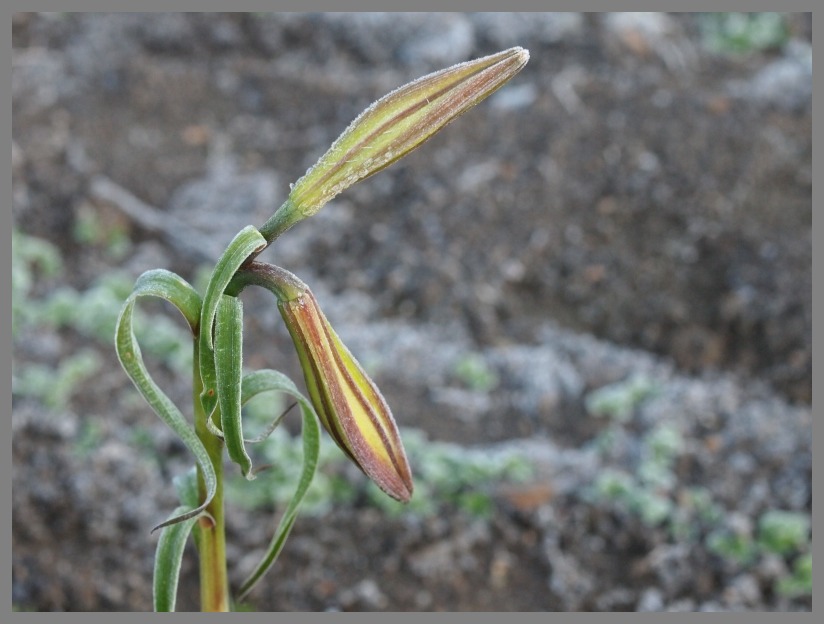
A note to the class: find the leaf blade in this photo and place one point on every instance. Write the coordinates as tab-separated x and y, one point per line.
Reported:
228	370
131	359
168	558
270	380
248	241
173	288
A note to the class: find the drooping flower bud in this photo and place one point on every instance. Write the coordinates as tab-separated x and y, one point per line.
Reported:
348	403
391	128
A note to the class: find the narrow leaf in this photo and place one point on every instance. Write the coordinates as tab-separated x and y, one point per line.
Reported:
173	288
247	242
128	352
270	380
228	365
168	558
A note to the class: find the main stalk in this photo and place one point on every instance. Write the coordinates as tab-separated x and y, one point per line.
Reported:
211	533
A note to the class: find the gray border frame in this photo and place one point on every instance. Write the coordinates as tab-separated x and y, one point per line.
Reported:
5	336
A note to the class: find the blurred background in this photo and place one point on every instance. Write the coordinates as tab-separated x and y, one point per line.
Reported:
587	301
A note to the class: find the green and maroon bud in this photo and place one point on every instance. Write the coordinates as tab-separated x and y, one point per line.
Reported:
348	403
391	128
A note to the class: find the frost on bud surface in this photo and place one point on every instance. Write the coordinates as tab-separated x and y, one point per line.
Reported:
392	127
348	403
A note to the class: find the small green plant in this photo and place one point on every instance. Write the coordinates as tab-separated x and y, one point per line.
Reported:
618	401
37	305
451	475
53	386
698	501
787	533
342	398
741	33
800	583
90	230
89	437
92	313
782	533
474	372
448	476
661	448
739	548
650	492
633	495
30	256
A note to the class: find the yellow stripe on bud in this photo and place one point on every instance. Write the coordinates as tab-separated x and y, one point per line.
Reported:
391	128
348	403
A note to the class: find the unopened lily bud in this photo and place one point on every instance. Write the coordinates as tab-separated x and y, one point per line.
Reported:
348	403
392	127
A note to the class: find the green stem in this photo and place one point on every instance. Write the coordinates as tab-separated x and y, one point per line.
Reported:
283	284
285	217
211	534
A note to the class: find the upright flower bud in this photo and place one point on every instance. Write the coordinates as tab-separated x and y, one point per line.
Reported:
391	128
348	403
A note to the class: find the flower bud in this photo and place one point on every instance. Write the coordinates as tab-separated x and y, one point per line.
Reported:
392	127
348	403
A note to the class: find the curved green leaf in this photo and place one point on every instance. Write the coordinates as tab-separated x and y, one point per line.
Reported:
175	290
270	380
248	241
168	557
228	369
